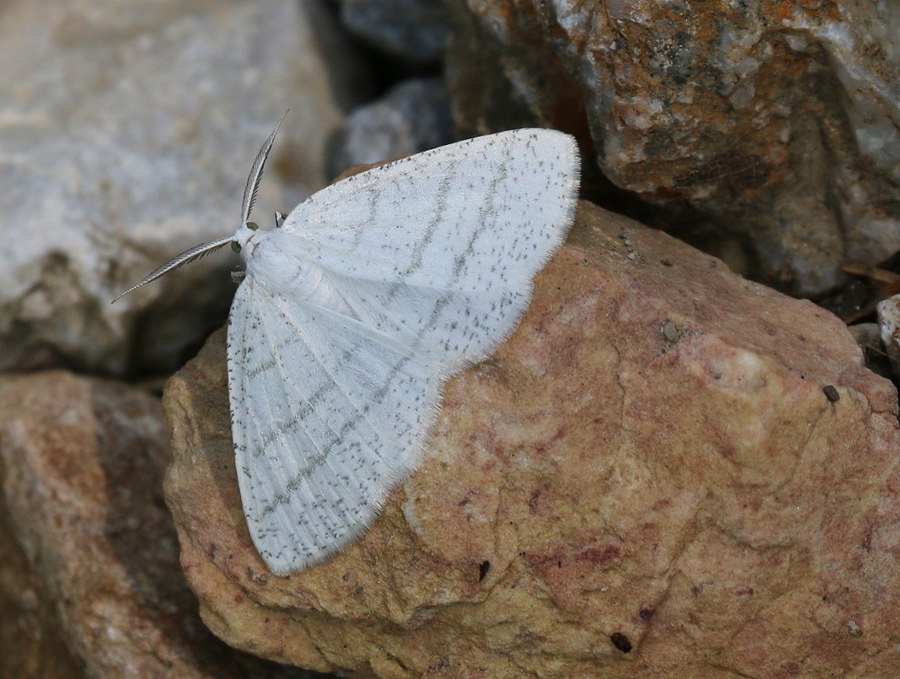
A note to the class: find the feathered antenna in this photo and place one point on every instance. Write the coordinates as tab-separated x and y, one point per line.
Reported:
185	257
256	173
199	251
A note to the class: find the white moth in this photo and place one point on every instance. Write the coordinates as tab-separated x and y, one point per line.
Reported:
356	309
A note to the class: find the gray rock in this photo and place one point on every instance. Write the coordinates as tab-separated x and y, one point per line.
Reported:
889	318
126	134
868	337
413	116
411	29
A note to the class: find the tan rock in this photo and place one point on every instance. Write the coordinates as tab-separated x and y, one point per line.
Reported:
649	478
89	577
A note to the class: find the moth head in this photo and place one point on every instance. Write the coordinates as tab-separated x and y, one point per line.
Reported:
246	238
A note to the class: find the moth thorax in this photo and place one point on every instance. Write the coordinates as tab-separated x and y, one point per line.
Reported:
299	279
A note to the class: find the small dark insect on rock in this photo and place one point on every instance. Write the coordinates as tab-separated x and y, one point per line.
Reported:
620	641
831	393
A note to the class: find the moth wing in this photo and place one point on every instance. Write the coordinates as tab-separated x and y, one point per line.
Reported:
442	247
327	415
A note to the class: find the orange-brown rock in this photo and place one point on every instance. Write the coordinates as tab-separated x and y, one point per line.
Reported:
775	121
667	471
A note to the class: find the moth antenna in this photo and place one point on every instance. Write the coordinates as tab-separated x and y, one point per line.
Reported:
199	251
185	257
256	173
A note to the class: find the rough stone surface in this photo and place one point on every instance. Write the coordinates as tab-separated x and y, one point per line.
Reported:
667	471
126	134
89	579
868	337
82	471
413	116
775	121
889	318
32	644
415	30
